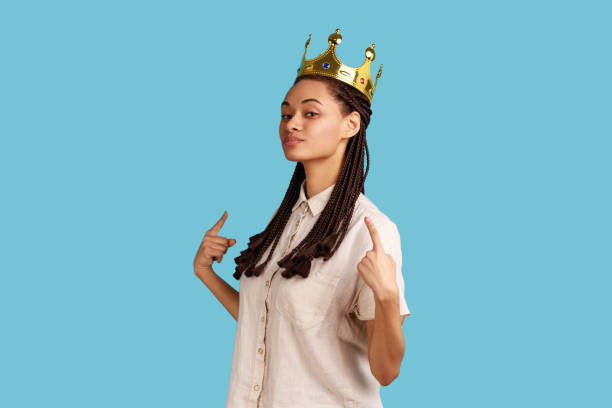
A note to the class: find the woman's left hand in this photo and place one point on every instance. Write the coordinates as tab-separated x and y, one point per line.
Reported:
377	268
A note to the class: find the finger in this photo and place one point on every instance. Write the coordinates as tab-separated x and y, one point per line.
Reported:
230	242
374	234
217	247
213	253
219	258
217	227
217	239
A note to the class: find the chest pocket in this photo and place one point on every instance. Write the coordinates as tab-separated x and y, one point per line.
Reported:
306	301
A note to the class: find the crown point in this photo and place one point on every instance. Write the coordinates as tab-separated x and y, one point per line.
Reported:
370	54
335	38
378	75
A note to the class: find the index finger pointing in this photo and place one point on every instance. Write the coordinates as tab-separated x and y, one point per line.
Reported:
217	227
374	234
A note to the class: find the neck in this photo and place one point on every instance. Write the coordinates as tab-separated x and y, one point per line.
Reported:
322	173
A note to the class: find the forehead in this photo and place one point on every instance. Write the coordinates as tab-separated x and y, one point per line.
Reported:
305	89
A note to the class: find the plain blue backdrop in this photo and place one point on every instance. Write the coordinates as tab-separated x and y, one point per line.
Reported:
127	128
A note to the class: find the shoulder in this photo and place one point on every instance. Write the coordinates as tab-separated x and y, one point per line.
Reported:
364	207
387	229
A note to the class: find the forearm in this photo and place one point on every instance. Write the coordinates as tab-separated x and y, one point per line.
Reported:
387	349
226	294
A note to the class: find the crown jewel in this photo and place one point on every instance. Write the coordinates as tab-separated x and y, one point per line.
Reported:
328	64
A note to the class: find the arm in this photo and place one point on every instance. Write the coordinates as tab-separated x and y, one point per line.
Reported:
380	271
227	295
385	338
212	248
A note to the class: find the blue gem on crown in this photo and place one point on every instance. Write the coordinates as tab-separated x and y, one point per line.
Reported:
326	65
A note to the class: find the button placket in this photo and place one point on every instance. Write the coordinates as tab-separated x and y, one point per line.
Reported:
261	332
260	350
297	226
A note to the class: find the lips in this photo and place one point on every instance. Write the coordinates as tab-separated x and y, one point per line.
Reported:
292	140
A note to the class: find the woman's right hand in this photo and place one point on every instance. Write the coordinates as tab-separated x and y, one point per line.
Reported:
213	247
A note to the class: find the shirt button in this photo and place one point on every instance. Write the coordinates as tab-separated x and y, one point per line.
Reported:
267	283
263	318
260	350
256	387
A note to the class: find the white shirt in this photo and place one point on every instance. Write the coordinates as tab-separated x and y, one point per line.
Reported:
302	342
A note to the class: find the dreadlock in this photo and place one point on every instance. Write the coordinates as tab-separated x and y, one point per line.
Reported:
329	230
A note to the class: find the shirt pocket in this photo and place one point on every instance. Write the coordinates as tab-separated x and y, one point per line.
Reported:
306	301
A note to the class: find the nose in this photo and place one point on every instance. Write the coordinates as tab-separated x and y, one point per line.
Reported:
293	124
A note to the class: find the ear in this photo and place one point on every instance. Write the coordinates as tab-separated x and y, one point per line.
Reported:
352	124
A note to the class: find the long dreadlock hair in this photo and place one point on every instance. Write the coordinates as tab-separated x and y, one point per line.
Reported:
328	232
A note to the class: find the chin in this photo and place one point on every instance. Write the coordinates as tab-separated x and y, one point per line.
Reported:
294	153
293	157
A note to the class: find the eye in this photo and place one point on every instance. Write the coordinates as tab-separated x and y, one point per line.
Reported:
286	114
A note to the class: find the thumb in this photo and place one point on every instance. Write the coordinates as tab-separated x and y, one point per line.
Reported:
232	241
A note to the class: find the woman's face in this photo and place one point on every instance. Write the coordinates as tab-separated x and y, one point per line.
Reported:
310	113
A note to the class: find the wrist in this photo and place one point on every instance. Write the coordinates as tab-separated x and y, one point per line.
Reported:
203	270
387	294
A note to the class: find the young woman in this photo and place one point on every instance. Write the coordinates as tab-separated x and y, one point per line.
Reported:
321	299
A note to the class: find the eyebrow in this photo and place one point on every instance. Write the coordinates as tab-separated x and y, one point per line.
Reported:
304	101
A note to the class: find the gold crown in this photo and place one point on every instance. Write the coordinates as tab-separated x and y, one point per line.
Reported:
329	65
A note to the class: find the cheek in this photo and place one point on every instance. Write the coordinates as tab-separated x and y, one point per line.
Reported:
325	133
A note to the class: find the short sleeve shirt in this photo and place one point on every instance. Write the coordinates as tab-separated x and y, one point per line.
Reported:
302	342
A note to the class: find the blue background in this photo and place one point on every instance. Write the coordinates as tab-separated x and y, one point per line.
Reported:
127	128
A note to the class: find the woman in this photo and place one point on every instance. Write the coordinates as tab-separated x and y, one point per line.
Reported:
322	295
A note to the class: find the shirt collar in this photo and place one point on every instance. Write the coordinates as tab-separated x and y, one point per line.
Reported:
317	202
